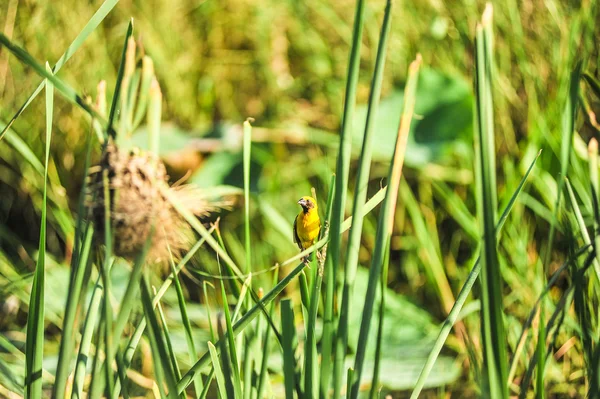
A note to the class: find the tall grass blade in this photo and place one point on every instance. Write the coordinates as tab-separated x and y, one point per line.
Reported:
80	234
118	83
91	318
249	338
594	379
106	279
568	129
581	223
235	375
69	327
247	141
214	356
311	364
189	338
375	388
595	187
360	196
288	329
541	355
97	383
34	346
169	347
263	374
339	201
162	366
154	116
386	222
492	322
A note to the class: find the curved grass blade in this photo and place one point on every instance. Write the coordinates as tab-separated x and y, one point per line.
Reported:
67	91
34	346
92	24
214	356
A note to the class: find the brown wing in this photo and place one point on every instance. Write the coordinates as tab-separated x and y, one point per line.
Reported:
296	238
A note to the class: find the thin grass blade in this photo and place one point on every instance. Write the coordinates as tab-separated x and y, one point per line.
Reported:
162	366
214	356
386	222
375	388
288	330
34	346
235	376
67	91
492	320
189	338
339	201
360	196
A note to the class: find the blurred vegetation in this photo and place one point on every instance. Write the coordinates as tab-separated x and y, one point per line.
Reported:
284	64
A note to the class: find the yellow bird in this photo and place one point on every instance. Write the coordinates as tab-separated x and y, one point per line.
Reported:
307	224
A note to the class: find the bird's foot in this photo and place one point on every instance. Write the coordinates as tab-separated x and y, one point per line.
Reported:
306	261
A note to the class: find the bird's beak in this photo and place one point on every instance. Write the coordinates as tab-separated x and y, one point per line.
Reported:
301	202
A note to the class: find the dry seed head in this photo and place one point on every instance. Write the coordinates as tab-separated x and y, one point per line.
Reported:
138	187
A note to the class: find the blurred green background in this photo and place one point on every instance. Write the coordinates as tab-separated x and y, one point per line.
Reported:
284	63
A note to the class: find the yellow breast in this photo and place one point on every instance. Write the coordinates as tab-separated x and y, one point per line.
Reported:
308	226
